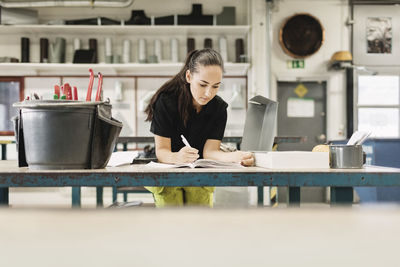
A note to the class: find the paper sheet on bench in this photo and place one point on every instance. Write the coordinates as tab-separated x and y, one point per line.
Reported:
122	158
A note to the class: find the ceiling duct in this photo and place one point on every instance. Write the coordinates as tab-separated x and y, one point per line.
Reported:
62	3
374	2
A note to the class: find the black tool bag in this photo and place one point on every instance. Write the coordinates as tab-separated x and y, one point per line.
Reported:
19	140
105	134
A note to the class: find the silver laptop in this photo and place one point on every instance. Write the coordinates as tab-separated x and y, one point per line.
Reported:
259	127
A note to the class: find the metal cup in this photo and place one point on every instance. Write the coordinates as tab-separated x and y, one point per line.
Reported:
345	156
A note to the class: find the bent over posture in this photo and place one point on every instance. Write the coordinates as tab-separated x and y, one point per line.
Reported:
188	105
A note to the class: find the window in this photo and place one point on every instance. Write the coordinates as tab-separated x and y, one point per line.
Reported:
378	106
10	92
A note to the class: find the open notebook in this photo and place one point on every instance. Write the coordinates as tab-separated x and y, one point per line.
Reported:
200	163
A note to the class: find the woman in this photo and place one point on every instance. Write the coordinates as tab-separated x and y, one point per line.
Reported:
188	105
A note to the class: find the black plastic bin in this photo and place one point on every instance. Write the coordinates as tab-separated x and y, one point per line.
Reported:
62	134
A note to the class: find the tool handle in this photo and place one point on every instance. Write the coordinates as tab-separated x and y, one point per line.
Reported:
99	87
89	90
75	93
68	91
57	90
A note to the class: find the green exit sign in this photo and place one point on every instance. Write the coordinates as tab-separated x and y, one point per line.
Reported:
295	64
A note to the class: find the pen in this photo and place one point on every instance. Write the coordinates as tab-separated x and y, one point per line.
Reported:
185	141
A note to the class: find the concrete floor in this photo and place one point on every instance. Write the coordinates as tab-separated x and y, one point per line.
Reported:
61	197
45	197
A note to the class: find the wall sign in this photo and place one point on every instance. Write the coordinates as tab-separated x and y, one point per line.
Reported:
300	107
295	64
301	90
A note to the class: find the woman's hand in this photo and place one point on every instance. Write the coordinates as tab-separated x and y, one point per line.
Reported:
187	155
245	158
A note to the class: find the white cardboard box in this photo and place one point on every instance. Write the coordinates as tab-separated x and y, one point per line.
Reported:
292	159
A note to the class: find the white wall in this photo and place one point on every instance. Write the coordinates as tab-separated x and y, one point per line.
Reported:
332	15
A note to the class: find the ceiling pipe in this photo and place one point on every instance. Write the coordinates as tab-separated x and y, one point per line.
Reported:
61	3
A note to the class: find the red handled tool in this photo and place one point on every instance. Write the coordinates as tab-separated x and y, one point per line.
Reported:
99	87
75	93
56	92
63	93
68	91
89	90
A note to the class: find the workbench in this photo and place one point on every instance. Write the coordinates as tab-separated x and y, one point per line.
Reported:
341	181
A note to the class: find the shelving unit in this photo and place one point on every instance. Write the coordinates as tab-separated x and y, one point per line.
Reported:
118	33
48	69
123	30
137	78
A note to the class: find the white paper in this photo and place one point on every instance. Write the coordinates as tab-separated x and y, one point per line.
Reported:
201	163
300	107
157	165
358	137
122	158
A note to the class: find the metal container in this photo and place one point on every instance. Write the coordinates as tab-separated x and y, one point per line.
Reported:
345	156
63	134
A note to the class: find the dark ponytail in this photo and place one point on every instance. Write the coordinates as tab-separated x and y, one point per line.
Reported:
179	85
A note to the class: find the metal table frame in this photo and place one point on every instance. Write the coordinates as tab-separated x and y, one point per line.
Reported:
124	140
76	191
340	181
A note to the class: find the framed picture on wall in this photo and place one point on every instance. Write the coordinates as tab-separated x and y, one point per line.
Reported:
376	35
11	91
379	35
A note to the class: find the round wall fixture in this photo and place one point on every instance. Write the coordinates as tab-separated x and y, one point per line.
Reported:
301	35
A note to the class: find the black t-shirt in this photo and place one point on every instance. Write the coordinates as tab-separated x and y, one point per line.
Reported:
209	123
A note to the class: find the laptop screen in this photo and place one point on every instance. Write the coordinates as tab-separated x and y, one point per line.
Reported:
259	127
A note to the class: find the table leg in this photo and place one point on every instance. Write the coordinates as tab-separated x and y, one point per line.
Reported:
293	197
99	196
114	194
76	196
4	196
3	151
341	196
260	196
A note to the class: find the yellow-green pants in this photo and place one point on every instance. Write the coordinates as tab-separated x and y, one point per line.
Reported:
179	196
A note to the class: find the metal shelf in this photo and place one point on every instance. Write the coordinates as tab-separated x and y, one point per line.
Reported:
47	69
123	30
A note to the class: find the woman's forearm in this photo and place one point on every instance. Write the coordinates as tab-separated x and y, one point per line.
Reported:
166	156
222	156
